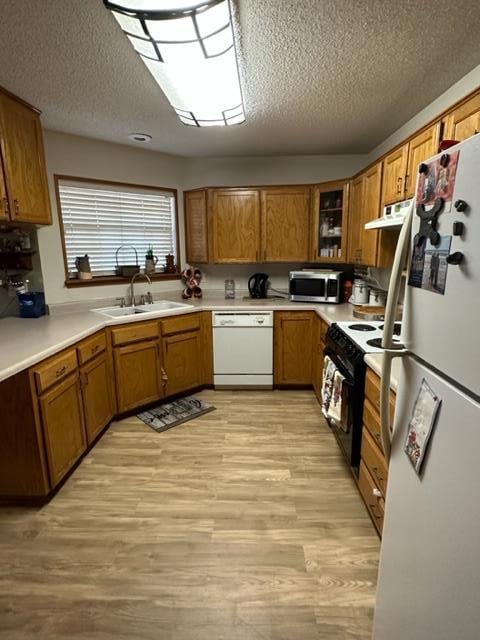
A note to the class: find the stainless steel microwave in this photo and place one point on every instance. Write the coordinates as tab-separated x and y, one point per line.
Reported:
315	286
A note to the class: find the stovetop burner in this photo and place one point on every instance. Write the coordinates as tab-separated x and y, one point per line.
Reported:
377	342
397	328
361	327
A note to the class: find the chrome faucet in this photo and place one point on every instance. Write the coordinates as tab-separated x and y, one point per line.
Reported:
132	291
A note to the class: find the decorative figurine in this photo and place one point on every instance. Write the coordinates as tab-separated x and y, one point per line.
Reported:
192	277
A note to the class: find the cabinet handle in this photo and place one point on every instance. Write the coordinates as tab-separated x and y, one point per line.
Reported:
164	376
378	476
84	380
6	206
399	184
16	207
60	372
264	255
95	349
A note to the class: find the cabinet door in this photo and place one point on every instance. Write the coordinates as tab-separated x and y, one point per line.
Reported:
62	420
24	159
4	204
182	362
370	210
422	147
394	171
196	233
236	226
464	121
96	395
293	348
138	374
286	224
317	354
355	212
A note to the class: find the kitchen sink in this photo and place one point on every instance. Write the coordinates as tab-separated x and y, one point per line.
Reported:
162	305
156	307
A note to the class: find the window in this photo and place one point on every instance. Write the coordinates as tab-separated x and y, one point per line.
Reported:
99	217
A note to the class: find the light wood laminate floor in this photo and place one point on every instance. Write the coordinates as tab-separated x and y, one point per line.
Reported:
241	525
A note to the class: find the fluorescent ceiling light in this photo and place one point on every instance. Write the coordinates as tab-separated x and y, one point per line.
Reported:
190	51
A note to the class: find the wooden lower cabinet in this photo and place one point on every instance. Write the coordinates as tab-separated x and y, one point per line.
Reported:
62	420
139	379
373	475
182	362
372	497
318	346
97	395
293	331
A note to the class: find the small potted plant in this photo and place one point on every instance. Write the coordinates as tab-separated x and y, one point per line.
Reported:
150	261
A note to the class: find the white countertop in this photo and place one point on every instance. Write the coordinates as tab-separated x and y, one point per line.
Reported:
374	361
26	341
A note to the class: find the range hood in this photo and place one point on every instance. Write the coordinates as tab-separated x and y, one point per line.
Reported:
393	216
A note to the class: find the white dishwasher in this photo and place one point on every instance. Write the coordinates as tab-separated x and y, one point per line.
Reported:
243	349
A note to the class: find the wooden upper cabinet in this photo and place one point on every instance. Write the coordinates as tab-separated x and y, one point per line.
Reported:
285	224
394	172
422	147
372	184
464	121
329	223
24	162
235	216
62	420
196	227
355	217
293	337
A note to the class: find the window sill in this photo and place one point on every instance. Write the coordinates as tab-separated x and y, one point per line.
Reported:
105	280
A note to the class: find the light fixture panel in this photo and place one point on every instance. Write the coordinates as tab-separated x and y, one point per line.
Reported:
190	51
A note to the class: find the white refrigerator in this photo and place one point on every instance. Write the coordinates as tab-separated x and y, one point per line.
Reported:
429	574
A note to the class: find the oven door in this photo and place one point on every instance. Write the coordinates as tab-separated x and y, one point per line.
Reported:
343	428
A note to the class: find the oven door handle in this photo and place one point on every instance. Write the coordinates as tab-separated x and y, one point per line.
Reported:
349	380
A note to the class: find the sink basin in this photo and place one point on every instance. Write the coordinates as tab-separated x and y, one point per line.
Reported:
156	307
162	305
118	312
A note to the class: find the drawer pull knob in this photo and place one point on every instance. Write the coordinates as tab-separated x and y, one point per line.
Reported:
95	349
60	372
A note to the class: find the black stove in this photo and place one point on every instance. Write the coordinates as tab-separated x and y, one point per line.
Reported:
348	357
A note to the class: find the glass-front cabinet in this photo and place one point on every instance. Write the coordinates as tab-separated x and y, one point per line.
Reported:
330	206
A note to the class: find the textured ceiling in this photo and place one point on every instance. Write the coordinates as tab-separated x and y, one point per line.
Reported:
319	76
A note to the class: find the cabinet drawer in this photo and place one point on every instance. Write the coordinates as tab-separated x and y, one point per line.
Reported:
371	420
372	391
180	324
374	461
371	496
55	369
91	347
134	332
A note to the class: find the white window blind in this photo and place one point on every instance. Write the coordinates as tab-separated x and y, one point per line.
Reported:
97	219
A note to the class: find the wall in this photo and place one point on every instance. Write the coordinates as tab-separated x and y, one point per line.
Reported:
88	158
270	170
456	92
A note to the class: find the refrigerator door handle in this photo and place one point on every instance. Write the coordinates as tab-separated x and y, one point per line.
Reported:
401	253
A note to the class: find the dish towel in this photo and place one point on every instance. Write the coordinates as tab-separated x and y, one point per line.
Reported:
335	407
329	369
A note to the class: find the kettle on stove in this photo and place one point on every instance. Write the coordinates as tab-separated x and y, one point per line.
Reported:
257	285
